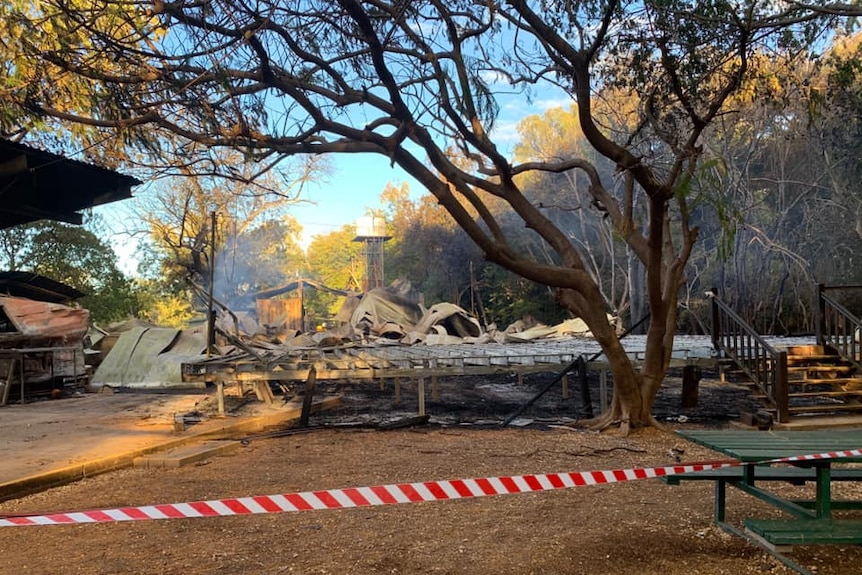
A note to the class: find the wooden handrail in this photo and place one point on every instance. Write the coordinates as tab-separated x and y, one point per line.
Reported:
764	365
837	327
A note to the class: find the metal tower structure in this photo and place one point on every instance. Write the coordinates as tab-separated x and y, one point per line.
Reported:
371	232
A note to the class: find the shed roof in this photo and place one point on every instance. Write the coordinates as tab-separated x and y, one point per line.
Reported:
38	185
36	287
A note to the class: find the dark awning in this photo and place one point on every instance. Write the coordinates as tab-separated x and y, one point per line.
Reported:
36	287
37	185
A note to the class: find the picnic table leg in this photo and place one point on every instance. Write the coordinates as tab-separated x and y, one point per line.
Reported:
748	474
720	500
823	498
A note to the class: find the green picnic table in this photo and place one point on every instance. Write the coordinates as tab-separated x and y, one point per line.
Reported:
813	521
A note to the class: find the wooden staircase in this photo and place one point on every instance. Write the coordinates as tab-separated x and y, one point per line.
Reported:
821	382
802	381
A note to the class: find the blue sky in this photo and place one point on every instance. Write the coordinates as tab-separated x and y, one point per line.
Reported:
353	187
358	179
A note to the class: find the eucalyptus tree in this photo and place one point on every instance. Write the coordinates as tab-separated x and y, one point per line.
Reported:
426	247
241	222
416	82
77	257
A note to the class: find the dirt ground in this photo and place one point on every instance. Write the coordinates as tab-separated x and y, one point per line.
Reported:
644	527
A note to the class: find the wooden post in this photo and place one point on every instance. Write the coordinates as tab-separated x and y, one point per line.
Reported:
520	378
421	392
690	381
435	388
565	380
8	385
397	390
210	309
308	398
586	399
782	388
21	375
603	389
220	397
821	316
716	319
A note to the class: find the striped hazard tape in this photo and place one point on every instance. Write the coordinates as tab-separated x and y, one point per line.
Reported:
383	494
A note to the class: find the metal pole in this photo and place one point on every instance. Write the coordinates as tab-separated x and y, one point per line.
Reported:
210	312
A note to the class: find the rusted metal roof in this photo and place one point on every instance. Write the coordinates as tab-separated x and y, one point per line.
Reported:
28	323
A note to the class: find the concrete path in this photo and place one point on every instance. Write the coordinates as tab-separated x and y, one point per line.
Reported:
47	443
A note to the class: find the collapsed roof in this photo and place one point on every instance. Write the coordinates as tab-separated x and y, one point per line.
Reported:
387	316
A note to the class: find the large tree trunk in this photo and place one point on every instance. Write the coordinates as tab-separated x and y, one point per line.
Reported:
635	389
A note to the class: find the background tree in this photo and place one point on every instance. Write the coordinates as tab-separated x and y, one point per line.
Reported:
335	260
785	191
263	257
426	248
257	243
410	81
75	256
566	200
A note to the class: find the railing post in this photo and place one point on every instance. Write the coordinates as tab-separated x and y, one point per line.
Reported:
782	391
716	321
586	400
821	316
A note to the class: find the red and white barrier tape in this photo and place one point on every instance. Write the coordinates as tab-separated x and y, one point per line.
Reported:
383	494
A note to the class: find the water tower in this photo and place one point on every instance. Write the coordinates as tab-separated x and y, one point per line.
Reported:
371	231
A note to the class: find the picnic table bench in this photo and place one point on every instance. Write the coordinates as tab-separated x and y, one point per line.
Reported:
813	521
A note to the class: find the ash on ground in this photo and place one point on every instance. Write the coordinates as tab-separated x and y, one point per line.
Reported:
492	399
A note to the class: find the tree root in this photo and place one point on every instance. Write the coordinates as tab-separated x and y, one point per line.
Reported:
612	418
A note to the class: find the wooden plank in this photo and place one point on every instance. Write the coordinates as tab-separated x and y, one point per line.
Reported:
308	399
264	392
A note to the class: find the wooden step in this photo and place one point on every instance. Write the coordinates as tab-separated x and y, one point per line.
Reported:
830	381
820	368
794	360
825	408
803	350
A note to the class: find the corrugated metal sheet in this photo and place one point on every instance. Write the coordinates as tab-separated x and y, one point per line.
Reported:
280	314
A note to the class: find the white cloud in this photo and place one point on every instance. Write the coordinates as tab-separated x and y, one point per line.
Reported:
506	131
551	103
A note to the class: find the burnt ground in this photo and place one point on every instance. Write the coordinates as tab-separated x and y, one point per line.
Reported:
488	400
644	527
